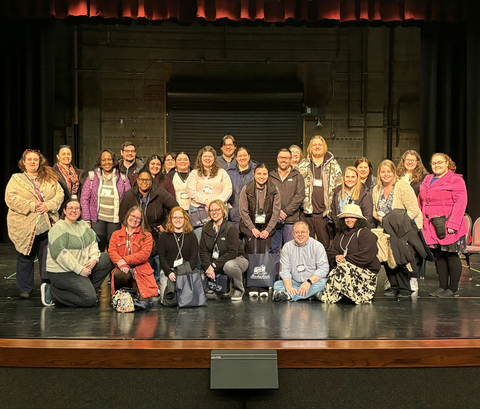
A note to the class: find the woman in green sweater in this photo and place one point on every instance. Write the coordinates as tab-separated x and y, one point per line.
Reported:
75	266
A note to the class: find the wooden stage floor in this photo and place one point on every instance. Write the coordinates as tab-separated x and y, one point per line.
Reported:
423	331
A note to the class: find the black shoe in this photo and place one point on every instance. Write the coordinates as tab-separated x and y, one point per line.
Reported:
404	294
24	295
390	293
279	296
437	293
449	293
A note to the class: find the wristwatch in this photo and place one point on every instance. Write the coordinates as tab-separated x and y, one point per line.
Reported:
309	281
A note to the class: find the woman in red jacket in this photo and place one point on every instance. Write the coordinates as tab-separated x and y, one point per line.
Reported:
444	194
129	250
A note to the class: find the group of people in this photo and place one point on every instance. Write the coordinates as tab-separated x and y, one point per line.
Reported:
331	230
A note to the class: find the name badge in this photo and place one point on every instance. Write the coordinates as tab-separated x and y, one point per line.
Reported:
74	196
290	180
317	182
215	254
178	262
207	190
260	218
184	196
301	268
106	192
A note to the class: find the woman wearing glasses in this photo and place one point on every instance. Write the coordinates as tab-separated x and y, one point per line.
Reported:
176	246
75	265
129	250
444	193
70	177
33	198
154	166
411	170
102	193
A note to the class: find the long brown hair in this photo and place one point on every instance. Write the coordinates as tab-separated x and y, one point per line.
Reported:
144	227
187	227
199	165
356	189
418	173
45	173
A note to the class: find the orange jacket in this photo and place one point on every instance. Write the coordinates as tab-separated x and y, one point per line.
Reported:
138	260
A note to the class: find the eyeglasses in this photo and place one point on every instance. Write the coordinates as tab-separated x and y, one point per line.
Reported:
144	180
215	210
440	162
178	218
129	150
301	232
135	218
410	160
73	209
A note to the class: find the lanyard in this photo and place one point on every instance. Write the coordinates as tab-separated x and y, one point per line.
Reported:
179	246
346	247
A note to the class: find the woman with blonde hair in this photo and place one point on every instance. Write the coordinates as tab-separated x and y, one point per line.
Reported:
33	198
352	191
322	174
390	194
297	155
411	169
129	250
177	245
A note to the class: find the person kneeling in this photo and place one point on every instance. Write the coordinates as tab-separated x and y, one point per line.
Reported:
75	266
129	249
304	267
355	251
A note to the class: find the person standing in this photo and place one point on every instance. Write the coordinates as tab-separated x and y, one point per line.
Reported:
291	186
102	194
168	163
365	173
241	173
444	193
179	176
70	177
297	155
33	198
322	174
130	162
410	168
228	148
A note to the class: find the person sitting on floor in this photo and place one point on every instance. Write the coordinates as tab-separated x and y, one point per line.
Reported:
75	266
355	256
304	267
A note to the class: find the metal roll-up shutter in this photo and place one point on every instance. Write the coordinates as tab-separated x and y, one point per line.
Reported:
263	120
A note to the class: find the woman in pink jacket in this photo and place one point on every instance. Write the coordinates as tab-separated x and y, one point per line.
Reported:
444	193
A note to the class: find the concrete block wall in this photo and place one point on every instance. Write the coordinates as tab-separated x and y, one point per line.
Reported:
351	61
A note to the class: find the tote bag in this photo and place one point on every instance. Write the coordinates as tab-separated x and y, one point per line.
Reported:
190	290
262	269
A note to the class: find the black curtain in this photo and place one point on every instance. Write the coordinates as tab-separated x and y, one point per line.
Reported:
449	96
27	86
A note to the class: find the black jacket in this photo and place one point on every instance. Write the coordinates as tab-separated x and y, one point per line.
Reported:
364	201
292	193
227	241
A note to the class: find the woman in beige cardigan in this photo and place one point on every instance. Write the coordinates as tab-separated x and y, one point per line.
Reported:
33	198
393	193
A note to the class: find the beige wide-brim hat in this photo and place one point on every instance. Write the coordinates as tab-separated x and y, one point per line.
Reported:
351	210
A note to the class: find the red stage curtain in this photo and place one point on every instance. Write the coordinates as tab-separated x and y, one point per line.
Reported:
270	11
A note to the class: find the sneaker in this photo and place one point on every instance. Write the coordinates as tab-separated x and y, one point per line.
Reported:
449	293
387	284
237	295
264	294
46	295
404	294
253	294
437	293
414	284
24	295
279	296
390	293
210	294
318	296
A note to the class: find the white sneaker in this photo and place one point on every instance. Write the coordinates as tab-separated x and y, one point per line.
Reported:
414	284
252	294
237	295
387	284
264	294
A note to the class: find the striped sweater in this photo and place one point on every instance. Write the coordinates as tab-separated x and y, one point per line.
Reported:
70	247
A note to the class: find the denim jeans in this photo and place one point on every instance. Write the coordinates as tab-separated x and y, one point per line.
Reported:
281	236
314	288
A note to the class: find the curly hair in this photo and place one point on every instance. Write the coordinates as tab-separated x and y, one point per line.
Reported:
44	173
187	227
98	163
144	226
342	227
356	189
199	165
389	164
450	163
418	173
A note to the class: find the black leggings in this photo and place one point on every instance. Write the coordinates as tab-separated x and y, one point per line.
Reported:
449	269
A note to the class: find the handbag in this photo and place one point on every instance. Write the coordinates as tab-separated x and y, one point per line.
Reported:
439	223
198	216
221	283
190	290
122	300
262	268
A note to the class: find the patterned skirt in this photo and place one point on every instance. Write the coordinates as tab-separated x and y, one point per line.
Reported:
348	280
459	246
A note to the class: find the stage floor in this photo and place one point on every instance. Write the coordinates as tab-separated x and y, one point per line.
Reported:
419	318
